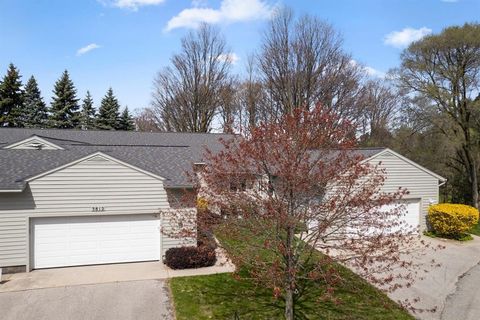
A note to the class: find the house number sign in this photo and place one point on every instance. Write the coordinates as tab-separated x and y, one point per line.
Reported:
98	209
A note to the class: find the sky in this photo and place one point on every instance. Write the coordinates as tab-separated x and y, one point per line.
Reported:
123	43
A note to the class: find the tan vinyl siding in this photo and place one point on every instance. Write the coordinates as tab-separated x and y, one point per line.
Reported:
420	184
74	190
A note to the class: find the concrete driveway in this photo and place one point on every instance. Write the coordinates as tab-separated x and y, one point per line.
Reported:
143	300
104	292
453	288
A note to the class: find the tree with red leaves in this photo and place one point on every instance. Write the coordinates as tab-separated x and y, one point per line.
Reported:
299	187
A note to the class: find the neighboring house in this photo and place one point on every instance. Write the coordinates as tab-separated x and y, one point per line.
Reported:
401	172
421	183
71	197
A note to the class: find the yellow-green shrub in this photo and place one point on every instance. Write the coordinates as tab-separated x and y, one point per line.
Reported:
202	203
452	220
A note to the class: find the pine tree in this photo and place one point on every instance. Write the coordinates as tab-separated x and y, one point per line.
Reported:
64	108
34	112
87	115
126	121
108	114
11	98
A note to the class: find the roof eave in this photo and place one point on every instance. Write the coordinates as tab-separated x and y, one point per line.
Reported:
12	190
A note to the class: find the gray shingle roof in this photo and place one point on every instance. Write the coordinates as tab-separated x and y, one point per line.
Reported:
169	155
111	138
361	152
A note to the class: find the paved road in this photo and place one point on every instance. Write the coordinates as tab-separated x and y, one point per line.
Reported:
142	300
464	302
450	289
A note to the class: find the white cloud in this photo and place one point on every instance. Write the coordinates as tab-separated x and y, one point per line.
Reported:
231	57
229	11
372	72
401	39
87	48
131	4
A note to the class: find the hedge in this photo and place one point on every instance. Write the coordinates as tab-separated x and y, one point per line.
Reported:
452	220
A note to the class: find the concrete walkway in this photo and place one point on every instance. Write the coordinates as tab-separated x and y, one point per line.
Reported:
72	276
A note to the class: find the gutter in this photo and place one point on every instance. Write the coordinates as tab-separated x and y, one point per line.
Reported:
10	191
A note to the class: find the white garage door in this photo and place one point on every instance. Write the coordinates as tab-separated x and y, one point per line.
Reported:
411	213
73	241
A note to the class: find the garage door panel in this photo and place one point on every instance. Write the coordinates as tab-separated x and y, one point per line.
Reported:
82	245
70	241
46	234
410	215
83	259
51	249
54	261
410	219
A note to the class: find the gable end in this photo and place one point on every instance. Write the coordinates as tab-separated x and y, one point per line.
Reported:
98	156
390	153
34	143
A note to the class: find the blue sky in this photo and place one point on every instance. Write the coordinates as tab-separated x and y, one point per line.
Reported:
125	42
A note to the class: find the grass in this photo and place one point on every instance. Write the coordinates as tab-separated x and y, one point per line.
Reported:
462	237
223	296
476	230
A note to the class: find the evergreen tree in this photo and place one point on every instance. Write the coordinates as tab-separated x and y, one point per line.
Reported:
34	113
64	108
126	121
11	98
87	115
108	113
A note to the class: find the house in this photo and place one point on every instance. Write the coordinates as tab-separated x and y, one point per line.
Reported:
71	197
422	185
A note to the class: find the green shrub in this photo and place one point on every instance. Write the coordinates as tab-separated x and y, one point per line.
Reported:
452	220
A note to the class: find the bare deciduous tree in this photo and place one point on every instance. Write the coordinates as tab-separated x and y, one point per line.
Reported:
251	100
229	108
188	94
146	121
302	63
381	104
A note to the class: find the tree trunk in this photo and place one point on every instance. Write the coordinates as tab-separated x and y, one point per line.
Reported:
471	168
474	186
290	283
288	303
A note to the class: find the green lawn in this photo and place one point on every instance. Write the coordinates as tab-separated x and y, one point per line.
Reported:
222	296
476	230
